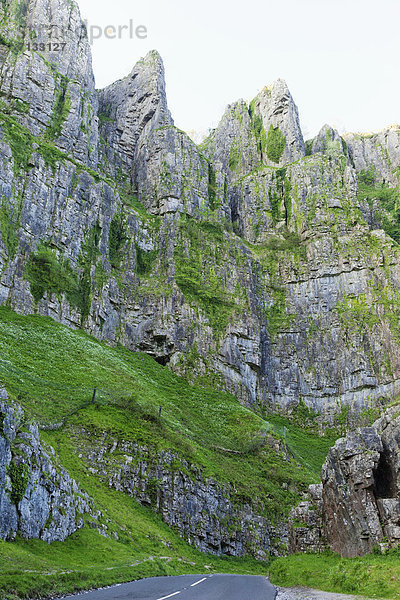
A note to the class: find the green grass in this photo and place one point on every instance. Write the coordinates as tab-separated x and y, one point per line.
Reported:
51	370
35	569
311	451
372	576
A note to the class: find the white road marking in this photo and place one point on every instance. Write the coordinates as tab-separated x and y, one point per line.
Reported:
176	593
170	596
197	582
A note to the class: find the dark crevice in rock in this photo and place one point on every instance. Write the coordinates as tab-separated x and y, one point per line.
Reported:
162	360
385	484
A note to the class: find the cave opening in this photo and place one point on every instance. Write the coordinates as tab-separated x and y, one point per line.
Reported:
385	485
162	360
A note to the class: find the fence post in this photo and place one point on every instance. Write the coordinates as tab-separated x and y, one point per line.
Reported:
94	394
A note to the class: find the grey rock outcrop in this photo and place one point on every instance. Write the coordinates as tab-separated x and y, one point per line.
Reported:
357	506
305	523
38	498
203	511
39	87
233	146
122	124
379	151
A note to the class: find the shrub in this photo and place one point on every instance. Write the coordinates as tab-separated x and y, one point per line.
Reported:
62	107
145	260
258	128
8	230
384	201
20	141
19	475
234	158
116	240
276	143
212	187
47	273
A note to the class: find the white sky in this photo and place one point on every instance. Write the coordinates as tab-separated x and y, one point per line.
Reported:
340	58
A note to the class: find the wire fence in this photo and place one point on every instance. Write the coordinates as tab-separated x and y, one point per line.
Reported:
22	376
76	398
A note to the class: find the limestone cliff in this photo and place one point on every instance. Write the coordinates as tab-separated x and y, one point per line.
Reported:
256	260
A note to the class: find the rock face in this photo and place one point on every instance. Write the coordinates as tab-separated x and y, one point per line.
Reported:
249	260
305	523
233	146
42	87
205	513
357	505
381	151
38	499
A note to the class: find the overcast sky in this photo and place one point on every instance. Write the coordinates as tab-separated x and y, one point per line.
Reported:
340	58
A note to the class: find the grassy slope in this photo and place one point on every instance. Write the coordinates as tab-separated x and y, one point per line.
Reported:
371	576
51	371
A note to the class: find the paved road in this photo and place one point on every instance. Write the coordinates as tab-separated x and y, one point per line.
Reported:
188	587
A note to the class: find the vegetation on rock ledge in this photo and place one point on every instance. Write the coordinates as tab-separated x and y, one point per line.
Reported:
276	143
18	474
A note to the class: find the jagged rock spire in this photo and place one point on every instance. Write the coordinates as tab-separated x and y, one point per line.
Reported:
232	146
164	165
134	106
268	131
329	142
283	142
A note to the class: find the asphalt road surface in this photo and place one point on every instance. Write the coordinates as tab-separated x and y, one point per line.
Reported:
188	587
